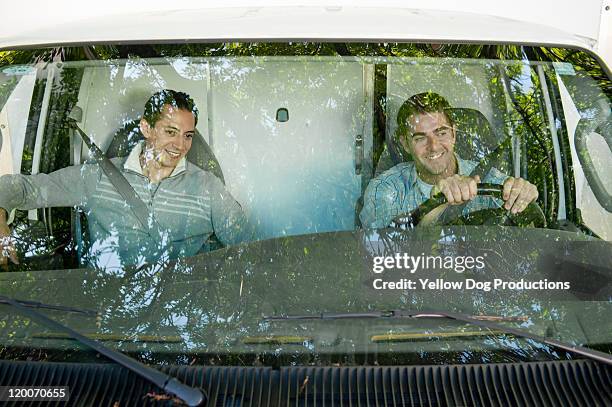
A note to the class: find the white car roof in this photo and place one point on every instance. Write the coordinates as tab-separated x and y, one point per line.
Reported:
542	23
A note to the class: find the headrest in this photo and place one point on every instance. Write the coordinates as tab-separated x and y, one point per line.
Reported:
475	136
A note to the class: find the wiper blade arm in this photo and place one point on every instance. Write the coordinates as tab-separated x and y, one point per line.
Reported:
331	315
478	320
42	305
581	350
385	314
190	395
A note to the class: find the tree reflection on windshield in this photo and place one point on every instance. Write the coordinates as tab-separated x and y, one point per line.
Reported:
296	132
215	302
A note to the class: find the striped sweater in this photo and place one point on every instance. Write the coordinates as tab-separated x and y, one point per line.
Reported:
189	206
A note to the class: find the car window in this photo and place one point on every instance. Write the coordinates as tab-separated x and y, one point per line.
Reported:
290	174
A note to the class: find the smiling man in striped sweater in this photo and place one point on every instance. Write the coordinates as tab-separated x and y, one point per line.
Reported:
186	204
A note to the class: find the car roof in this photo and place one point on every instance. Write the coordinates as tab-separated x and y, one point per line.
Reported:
294	22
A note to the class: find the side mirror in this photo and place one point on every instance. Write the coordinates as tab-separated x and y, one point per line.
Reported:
584	129
76	114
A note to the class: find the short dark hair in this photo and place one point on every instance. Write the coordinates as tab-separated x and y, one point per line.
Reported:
180	100
426	102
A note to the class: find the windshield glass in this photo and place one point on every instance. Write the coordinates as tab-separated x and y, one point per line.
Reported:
188	192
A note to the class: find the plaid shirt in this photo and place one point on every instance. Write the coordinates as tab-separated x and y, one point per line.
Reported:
400	190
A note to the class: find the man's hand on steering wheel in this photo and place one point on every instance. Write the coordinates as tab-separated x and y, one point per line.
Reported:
518	193
457	189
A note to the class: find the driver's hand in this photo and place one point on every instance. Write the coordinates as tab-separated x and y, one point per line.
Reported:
457	189
518	193
7	250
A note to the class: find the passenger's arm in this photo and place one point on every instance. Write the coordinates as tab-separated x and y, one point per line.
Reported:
65	187
229	221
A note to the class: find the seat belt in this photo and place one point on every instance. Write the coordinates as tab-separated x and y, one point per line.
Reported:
121	184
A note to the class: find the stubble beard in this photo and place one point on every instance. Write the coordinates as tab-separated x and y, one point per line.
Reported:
432	175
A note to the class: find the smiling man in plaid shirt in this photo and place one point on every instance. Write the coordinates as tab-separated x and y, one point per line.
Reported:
426	131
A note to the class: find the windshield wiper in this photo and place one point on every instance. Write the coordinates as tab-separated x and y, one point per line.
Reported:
482	321
190	395
382	314
42	305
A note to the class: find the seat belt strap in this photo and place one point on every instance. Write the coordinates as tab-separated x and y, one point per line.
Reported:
123	187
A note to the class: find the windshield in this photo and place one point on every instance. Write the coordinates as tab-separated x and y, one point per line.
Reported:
189	192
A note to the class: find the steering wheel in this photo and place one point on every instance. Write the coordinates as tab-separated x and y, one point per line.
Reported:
432	211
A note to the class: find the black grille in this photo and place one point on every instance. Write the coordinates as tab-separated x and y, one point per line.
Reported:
559	383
